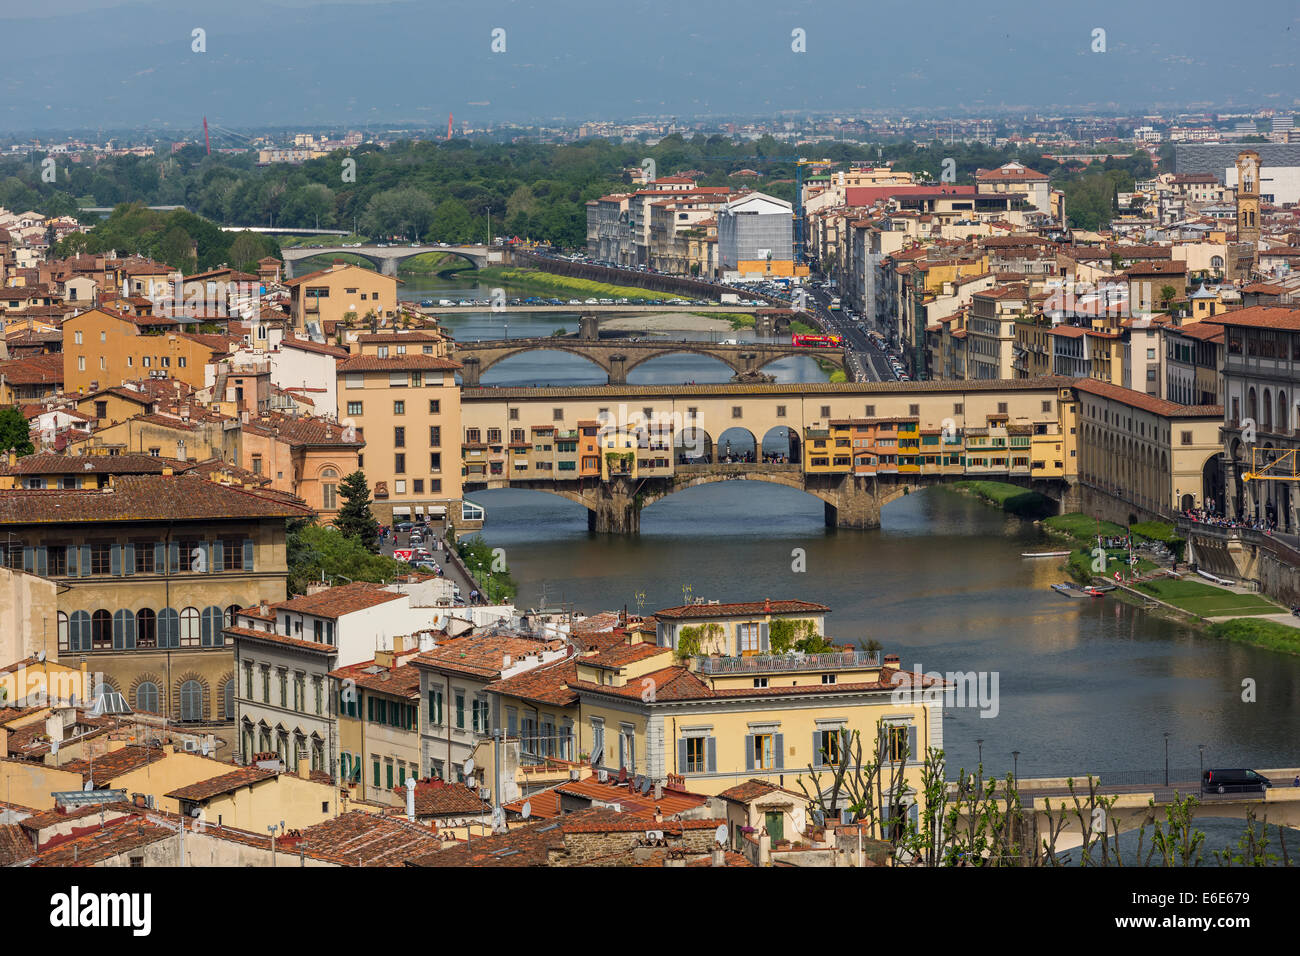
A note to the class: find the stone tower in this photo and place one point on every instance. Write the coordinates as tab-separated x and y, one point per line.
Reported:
1248	196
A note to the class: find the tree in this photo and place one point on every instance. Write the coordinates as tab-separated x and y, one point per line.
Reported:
1167	293
14	432
355	519
245	251
177	249
315	551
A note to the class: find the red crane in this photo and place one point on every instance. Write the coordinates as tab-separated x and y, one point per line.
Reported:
207	144
449	126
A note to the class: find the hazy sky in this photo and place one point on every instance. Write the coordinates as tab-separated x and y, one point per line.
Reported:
129	63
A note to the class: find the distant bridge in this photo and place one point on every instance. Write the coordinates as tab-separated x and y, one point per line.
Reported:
387	258
618	357
285	231
1044	799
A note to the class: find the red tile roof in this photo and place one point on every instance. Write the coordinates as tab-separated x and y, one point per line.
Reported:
223	783
397	363
740	609
142	498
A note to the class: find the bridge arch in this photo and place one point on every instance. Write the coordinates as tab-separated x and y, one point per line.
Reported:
681	348
693	445
781	441
737	443
557	345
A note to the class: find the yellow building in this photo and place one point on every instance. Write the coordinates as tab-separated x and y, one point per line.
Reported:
719	720
330	295
257	797
406	408
378	726
103	348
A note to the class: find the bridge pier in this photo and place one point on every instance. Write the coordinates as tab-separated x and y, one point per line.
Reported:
854	501
469	372
618	370
388	266
589	326
613	508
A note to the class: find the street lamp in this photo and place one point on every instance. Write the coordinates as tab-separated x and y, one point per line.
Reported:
979	742
1166	758
1201	749
1015	767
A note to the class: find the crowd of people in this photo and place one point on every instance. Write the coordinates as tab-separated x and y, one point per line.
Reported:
1216	520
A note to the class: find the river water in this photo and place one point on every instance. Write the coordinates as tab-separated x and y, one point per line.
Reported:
1081	685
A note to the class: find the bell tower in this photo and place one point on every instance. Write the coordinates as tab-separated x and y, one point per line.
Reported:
1248	196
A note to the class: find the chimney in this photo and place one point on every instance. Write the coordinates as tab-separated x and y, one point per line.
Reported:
263	608
893	660
410	799
399	645
304	768
719	857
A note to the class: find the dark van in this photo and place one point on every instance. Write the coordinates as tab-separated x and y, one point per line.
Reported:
1234	781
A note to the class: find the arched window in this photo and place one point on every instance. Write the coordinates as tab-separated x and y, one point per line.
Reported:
230	615
1252	406
210	627
191	701
79	631
101	630
190	627
1216	263
146	697
63	631
146	628
169	628
228	699
263	739
1281	411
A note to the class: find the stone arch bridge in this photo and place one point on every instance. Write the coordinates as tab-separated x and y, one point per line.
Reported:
387	258
614	505
617	358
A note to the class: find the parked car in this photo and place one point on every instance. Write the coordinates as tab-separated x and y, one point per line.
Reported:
1234	781
403	526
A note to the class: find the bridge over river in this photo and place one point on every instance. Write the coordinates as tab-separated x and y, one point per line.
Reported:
618	357
618	449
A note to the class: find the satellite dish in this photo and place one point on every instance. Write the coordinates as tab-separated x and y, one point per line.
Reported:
40	656
819	818
645	787
720	834
54	746
526	810
204	748
469	766
88	786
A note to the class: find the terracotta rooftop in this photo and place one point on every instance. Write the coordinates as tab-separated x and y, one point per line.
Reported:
106	767
752	790
1262	317
357	838
548	684
437	798
397	363
142	498
1147	403
128	464
335	602
223	783
400	681
479	656
740	609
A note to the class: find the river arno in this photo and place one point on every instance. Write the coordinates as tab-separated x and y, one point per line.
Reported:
1084	685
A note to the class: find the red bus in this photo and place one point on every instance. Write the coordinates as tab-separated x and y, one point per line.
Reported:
819	341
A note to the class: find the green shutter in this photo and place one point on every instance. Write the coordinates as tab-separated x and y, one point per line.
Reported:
749	751
683	761
778	745
711	755
115	560
248	554
83	566
159	557
128	559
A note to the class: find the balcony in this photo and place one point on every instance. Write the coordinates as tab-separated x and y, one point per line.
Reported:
786	663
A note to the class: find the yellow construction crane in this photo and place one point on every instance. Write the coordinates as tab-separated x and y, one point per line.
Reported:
1272	470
